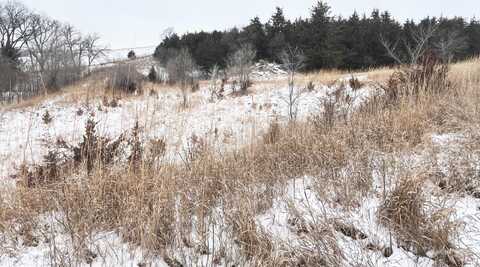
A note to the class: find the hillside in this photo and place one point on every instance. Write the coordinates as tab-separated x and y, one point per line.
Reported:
357	178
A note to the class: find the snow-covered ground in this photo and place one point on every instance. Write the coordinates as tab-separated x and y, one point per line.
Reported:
300	196
224	123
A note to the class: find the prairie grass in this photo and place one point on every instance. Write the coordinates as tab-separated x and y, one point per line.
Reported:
190	211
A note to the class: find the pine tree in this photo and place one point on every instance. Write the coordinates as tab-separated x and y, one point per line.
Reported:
255	34
131	55
322	46
473	37
353	42
277	31
277	23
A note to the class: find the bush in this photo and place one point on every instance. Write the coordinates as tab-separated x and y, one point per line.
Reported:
355	83
240	65
181	70
152	75
126	78
417	229
430	76
131	55
47	118
310	86
273	133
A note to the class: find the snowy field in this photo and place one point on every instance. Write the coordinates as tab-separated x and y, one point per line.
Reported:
225	124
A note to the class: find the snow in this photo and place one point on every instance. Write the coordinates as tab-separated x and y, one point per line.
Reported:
108	251
225	123
301	197
267	71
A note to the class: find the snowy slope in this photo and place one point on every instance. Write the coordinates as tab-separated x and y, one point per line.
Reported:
226	123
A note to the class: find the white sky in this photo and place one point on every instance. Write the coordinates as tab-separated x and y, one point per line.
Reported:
132	23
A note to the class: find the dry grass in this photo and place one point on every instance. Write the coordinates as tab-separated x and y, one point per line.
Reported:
419	231
165	207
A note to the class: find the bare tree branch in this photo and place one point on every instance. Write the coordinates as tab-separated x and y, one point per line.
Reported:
415	49
293	61
240	64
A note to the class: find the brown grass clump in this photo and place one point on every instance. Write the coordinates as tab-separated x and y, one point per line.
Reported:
255	244
126	78
272	134
355	83
429	77
418	230
124	185
404	211
318	246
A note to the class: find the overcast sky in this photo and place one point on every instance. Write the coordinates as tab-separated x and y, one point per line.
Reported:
132	23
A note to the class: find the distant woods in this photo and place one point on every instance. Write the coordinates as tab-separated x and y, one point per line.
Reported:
39	54
328	41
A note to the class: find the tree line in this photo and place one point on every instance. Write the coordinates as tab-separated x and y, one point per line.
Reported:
328	41
38	53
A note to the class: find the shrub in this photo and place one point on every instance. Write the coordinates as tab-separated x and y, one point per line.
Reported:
240	64
47	118
355	83
152	75
95	149
126	78
42	174
131	55
156	150
273	133
310	86
417	229
136	148
430	76
181	70
195	86
111	103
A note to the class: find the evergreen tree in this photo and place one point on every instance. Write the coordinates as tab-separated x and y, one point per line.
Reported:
473	37
277	30
255	34
277	23
353	44
321	45
131	55
327	41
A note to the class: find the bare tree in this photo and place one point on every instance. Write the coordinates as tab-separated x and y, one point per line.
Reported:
181	70
214	87
15	28
293	61
73	44
240	65
14	33
44	38
415	49
449	44
56	52
93	49
43	47
421	70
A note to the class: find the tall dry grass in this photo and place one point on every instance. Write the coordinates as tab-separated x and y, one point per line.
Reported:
174	209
